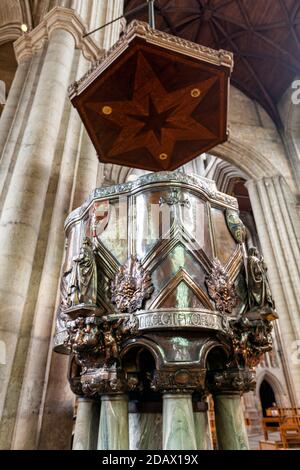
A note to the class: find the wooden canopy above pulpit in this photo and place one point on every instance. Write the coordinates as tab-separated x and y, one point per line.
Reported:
154	101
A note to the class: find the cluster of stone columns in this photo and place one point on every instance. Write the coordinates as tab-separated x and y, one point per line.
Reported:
180	427
278	229
48	166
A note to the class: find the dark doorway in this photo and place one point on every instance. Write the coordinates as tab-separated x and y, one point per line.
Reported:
267	396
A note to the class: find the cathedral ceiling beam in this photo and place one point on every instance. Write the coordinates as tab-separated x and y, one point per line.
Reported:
272	108
269	29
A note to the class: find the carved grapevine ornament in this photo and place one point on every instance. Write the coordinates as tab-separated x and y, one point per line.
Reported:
221	289
131	286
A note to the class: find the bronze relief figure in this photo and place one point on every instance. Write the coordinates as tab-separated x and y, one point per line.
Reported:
82	287
260	297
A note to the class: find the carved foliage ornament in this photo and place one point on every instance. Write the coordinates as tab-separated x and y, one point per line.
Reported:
111	380
131	286
174	198
221	289
178	380
231	381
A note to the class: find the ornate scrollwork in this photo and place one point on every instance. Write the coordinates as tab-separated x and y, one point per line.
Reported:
231	381
174	198
178	380
221	289
140	28
95	345
131	286
95	341
200	184
110	380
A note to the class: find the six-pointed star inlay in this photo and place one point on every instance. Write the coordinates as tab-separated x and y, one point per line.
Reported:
155	118
155	121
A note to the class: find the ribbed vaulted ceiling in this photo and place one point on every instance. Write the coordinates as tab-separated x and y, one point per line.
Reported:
264	36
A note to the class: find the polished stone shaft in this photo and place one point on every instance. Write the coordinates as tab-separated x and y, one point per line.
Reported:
113	429
202	430
178	423
86	427
230	423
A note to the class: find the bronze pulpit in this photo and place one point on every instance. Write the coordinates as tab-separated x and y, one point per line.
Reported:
162	305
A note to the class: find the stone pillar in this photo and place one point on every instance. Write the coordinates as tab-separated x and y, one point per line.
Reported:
11	139
145	426
145	431
227	387
86	426
26	428
11	104
230	422
80	164
113	428
25	199
178	422
114	10
290	118
202	427
279	232
87	171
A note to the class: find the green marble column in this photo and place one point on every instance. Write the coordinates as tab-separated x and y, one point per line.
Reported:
145	431
230	423
178	423
87	424
113	428
202	430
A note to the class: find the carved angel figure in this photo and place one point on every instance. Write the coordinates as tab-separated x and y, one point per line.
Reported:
110	344
82	286
260	296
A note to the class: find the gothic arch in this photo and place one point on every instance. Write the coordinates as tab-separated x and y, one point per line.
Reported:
276	385
209	348
251	162
224	174
146	344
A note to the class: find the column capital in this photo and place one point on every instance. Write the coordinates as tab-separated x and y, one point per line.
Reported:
231	381
178	380
265	180
58	18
